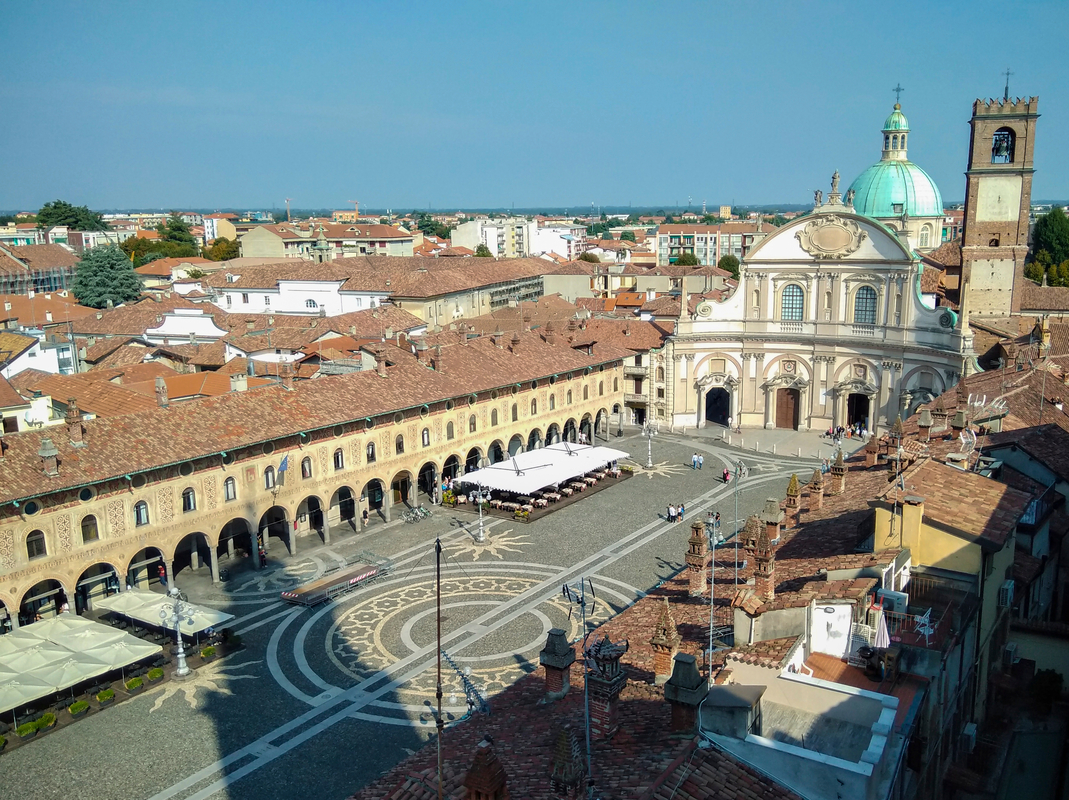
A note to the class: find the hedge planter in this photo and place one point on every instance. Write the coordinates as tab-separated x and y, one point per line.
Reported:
78	709
155	674
208	653
106	697
46	721
135	685
3	743
26	730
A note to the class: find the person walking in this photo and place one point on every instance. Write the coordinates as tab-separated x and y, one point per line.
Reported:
694	461
727	475
681	510
701	461
162	572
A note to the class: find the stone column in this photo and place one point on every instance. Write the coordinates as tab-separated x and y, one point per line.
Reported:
605	680
194	556
213	557
684	691
326	527
169	564
557	658
292	530
387	503
230	548
697	557
665	644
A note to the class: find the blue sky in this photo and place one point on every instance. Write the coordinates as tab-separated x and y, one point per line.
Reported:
470	104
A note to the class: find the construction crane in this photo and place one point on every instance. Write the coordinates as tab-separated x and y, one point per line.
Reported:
356	210
287	209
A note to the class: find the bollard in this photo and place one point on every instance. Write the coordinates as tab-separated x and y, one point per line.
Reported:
799	452
773	448
757	447
729	440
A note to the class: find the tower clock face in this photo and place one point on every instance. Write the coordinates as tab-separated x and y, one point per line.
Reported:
998	198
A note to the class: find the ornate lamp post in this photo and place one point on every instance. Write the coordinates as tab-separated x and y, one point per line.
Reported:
174	614
480	496
739	467
649	430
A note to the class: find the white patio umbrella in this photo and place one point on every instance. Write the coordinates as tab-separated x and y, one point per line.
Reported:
883	638
123	653
125	603
21	690
65	674
37	655
82	638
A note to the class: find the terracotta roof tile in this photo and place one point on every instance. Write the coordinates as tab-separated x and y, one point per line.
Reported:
9	397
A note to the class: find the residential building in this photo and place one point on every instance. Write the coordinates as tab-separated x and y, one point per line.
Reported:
506	237
164	271
38	267
288	240
220	226
565	240
20	233
708	242
21	351
80	241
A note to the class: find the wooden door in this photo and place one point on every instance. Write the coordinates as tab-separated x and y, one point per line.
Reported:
787	408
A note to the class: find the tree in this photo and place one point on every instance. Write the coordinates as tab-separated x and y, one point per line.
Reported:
1051	233
779	220
103	274
687	260
729	263
222	249
1034	272
77	218
482	251
627	236
175	230
195	274
590	257
139	249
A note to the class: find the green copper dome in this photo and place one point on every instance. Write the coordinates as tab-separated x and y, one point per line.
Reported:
889	188
897	121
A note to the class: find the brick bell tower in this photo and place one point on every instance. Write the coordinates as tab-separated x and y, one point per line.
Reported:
998	196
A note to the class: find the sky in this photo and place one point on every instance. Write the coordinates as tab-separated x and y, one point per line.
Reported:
408	105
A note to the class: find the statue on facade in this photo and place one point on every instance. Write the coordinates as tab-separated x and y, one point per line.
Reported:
849	197
835	182
818	197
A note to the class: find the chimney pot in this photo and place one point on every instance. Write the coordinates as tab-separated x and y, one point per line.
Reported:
557	658
161	392
685	691
49	458
665	644
239	382
74	422
486	779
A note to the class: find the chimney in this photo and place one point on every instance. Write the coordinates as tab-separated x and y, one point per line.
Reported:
872	452
568	777
286	373
685	691
765	567
436	359
794	492
750	532
100	315
816	491
912	519
665	644
239	382
250	366
515	343
161	392
486	780
557	658
924	424
248	324
551	333
697	558
380	366
772	515
48	316
74	423
605	680
49	458
838	474
421	351
495	337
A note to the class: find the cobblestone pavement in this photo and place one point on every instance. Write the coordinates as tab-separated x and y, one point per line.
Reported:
322	700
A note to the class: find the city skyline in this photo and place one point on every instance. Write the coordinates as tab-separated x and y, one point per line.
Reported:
132	107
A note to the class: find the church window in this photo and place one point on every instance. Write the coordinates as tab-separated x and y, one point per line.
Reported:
865	306
886	142
926	235
827	300
493	417
894	142
792	304
1002	146
902	142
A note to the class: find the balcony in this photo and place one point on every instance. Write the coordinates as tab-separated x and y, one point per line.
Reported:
858	329
790	327
634	398
633	371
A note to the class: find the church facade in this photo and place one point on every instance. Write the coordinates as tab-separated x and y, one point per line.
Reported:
826	328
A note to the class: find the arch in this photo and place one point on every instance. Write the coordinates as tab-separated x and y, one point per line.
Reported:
496	452
310	517
865	303
887	141
601	424
306	468
36	545
894	142
912	380
515	412
190	552
97	581
342	508
369	452
803	369
516	445
702	365
274	522
141	514
553	434
399	444
339	459
792	303
401	487
534	407
473	424
586	429
427	481
660	374
534	439
450	431
717	405
471	461
425	437
236	540
493	417
189	500
142	570
373	496
451	467
1003	146
90	529
571	431
44	599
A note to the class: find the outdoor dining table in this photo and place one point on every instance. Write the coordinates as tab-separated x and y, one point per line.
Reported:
567	491
590	481
579	486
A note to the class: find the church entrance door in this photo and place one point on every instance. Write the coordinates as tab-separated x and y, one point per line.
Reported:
857	409
717	406
787	407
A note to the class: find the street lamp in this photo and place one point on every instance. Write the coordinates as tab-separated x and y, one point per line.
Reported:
480	495
649	430
739	467
174	614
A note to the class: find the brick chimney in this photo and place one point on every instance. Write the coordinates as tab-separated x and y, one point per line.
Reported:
239	382
764	567
74	423
872	451
515	343
286	373
665	644
924	425
605	680
49	458
816	491
436	359
161	392
697	558
557	658
421	351
568	776
684	691
794	492
486	779
750	532
380	366
772	515
838	474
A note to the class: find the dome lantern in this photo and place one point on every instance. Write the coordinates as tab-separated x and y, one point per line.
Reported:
895	128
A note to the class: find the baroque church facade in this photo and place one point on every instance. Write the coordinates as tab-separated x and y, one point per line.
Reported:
827	326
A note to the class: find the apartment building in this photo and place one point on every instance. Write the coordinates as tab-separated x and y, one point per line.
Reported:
506	237
708	242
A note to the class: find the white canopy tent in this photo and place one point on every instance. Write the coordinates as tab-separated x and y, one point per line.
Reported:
528	472
146	607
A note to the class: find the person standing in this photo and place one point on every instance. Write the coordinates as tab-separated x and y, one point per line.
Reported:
681	510
671	514
162	572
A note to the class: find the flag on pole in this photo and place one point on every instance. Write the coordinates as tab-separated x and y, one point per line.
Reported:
285	465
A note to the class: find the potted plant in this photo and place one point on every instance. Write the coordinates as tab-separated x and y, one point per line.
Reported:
135	685
155	674
78	708
46	721
208	653
3	743
522	515
449	498
106	697
26	730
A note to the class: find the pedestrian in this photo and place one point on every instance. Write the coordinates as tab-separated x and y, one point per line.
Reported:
681	509
366	516
716	521
727	475
671	514
701	461
730	427
694	461
263	558
162	572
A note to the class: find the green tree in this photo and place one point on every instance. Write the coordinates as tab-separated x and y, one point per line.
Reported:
139	249
77	218
1051	233
482	251
779	220
103	274
1034	272
607	235
729	263
1063	273
687	260
627	236
195	274
590	257
175	230
222	249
